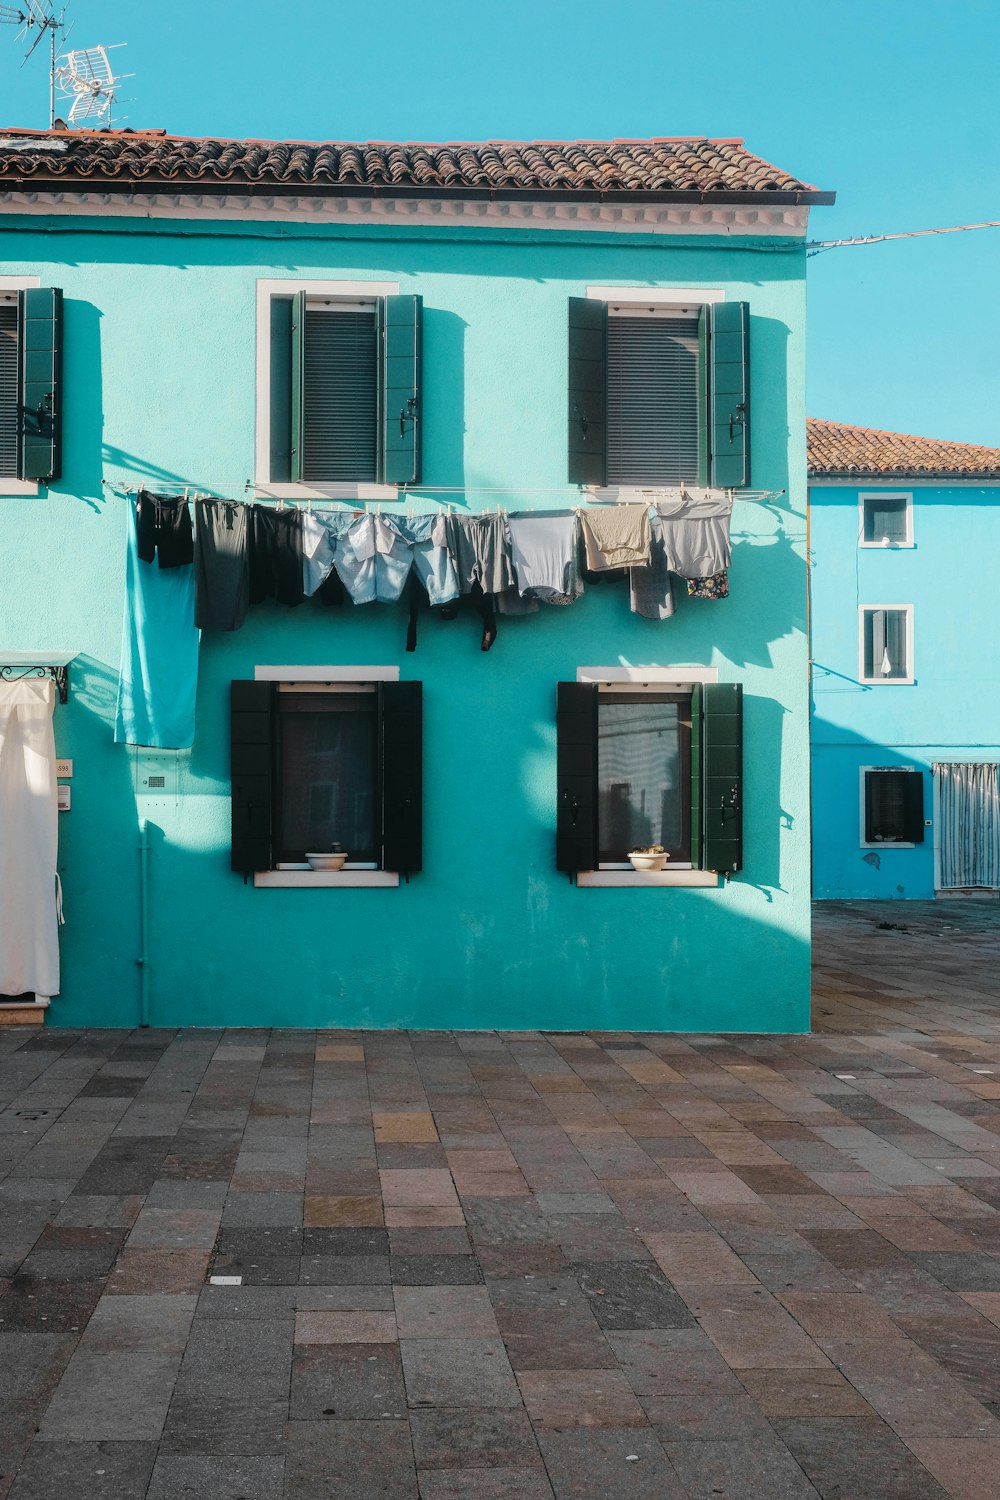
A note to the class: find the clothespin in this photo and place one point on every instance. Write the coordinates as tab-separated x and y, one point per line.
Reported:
309	506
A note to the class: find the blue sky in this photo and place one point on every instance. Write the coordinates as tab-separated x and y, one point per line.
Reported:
892	104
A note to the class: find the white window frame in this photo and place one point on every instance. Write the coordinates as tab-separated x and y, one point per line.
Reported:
863	843
10	486
906	681
649	680
332	679
350	292
655	302
906	495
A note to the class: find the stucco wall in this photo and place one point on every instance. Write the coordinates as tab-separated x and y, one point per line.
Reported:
949	712
160	384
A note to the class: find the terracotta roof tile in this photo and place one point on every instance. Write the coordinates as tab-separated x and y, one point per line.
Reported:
681	168
836	450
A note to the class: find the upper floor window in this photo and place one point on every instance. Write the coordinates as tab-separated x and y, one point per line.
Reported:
886	643
659	389
338	370
886	520
30	384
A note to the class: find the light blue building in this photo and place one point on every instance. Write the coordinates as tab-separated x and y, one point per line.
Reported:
905	664
389	332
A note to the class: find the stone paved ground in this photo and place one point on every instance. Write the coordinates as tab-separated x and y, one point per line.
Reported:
482	1267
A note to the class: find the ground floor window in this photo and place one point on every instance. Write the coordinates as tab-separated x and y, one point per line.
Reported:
893	805
644	774
326	781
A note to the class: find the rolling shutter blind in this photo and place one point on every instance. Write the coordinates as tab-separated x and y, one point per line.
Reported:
588	375
401	751
402	419
40	319
729	394
8	389
576	777
654	434
251	769
339	401
894	807
721	754
885	519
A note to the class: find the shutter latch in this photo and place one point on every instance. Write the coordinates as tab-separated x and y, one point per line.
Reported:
407	413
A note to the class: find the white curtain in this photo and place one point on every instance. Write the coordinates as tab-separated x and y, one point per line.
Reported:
29	905
969	823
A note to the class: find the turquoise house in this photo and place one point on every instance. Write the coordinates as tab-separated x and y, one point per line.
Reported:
497	340
906	664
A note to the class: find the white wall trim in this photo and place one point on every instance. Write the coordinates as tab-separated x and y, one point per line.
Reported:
9	287
651	676
863	843
886	494
656	296
732	220
328	673
637	879
906	681
273	286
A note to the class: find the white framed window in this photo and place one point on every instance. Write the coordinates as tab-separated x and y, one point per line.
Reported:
891	807
319	383
885	518
10	484
885	644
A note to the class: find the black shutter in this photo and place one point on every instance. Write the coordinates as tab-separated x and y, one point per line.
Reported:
401	722
722	776
576	776
729	400
282	441
400	396
588	391
40	338
8	389
251	762
894	807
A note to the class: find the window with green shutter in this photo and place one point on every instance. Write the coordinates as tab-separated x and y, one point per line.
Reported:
345	380
640	767
659	394
31	384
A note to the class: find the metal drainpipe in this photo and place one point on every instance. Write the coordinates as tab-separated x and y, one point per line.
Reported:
143	960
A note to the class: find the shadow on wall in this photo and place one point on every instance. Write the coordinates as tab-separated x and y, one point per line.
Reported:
83	401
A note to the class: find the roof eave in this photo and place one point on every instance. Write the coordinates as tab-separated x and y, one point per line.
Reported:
874	475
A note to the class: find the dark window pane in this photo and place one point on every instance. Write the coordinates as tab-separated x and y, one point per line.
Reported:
341	396
885	645
327	776
643	774
893	807
885	519
8	389
654	433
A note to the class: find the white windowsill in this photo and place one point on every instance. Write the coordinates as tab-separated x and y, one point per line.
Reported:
634	878
319	879
13	487
264	489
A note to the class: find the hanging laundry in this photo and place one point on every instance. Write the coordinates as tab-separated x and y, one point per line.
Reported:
651	590
276	555
480	546
164	529
374	559
616	537
510	602
433	562
714	587
696	535
158	681
221	564
321	531
544	547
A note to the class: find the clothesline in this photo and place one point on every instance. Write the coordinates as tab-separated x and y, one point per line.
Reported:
125	487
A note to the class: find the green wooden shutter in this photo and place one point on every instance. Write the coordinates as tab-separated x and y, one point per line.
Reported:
588	391
400	394
696	775
40	339
297	392
721	755
729	394
8	389
252	715
283	444
401	723
576	776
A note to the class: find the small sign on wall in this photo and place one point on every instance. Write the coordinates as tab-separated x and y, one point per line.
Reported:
64	768
65	794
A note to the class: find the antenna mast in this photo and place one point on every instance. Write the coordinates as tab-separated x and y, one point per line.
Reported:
36	18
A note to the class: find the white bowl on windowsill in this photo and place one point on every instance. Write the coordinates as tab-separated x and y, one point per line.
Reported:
648	862
326	861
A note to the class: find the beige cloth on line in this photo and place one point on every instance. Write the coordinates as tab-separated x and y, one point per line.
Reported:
617	537
29	903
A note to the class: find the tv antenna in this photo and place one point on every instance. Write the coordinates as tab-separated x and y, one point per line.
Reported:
86	77
38	18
